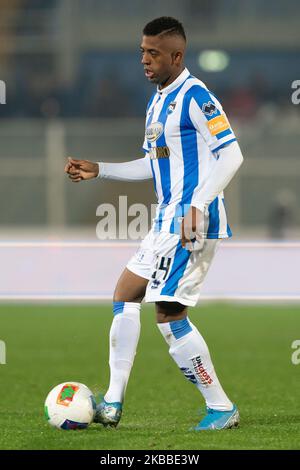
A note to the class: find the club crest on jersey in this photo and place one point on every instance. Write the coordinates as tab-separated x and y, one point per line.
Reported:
171	107
209	108
154	131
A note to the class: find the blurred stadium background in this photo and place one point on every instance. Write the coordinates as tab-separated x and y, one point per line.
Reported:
75	86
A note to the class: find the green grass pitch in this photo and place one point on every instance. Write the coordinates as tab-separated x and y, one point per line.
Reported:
250	346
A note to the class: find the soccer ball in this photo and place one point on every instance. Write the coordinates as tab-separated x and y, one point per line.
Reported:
70	405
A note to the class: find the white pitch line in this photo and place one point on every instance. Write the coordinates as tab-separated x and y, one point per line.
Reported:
68	245
281	245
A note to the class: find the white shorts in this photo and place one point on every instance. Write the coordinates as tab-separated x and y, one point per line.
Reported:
174	273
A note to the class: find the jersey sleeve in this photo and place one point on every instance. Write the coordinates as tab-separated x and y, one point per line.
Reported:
134	170
209	119
229	160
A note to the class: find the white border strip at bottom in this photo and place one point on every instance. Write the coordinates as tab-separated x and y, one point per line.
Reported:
55	297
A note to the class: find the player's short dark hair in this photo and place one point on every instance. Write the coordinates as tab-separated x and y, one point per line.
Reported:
165	25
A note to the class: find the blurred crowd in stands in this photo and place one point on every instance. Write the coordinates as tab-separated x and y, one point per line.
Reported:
36	92
112	84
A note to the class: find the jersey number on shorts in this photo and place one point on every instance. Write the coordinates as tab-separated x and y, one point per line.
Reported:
163	265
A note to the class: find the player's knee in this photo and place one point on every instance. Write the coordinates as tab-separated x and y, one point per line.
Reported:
121	296
164	310
117	297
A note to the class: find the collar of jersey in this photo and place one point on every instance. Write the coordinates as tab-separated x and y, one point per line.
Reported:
179	80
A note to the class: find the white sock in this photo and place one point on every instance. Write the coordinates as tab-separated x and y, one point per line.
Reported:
123	340
190	352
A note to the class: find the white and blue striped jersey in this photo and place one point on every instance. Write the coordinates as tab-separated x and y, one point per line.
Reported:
185	128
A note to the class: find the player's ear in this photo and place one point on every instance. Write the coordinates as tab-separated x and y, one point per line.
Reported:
177	57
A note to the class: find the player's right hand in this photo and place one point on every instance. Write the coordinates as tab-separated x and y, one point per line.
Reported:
191	230
79	170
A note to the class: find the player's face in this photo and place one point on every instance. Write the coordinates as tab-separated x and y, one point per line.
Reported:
161	59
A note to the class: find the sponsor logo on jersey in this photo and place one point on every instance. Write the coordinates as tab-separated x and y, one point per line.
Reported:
66	394
209	108
218	124
200	371
159	152
154	131
171	107
155	284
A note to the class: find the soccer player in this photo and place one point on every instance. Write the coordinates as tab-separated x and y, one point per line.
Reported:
191	153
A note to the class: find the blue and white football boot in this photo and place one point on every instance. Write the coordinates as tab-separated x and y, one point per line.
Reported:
108	414
217	420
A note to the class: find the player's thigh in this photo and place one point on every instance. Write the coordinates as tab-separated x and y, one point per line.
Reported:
132	284
130	287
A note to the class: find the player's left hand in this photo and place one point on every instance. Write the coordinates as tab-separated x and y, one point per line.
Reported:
191	230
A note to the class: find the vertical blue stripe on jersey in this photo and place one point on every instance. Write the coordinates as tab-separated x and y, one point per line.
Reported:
150	101
214	219
229	232
152	110
154	179
189	147
179	265
147	124
150	115
164	163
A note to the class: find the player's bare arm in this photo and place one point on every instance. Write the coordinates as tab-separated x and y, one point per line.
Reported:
79	170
